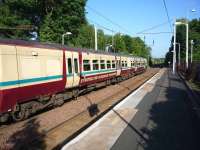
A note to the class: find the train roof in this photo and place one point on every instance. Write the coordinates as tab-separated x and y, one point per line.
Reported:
57	46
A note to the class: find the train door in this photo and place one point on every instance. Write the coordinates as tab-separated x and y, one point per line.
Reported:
118	65
76	70
73	71
69	66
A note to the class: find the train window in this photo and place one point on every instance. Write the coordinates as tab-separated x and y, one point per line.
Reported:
86	65
122	63
102	64
108	64
76	65
69	64
125	63
113	64
95	64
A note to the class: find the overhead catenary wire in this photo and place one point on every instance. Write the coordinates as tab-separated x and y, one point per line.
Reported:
153	27
116	24
108	19
156	33
105	28
167	13
101	26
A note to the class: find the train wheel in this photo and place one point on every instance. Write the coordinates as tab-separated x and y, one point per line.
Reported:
20	115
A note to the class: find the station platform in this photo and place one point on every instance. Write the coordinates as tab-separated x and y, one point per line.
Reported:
154	117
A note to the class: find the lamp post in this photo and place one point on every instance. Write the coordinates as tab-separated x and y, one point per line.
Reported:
63	37
174	51
187	40
192	43
179	53
187	36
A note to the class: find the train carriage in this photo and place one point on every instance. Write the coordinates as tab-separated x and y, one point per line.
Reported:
34	75
97	67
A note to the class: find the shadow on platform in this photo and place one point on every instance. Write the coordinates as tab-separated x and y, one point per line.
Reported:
28	138
172	125
164	121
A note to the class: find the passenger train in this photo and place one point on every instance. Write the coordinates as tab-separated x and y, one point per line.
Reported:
34	76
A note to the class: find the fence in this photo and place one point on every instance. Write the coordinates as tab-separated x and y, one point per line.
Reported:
193	73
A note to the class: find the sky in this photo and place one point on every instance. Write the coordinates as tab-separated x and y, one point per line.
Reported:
137	15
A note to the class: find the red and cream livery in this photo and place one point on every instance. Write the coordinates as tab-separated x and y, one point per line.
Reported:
34	75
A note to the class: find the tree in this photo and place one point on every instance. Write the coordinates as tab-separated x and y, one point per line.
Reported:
85	38
128	43
101	40
194	34
119	44
51	18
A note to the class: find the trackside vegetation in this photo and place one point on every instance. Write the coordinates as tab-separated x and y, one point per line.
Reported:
47	20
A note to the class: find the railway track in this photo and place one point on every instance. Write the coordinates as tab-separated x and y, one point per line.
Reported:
47	133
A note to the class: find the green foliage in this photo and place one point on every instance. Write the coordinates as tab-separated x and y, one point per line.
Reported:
51	18
119	44
10	18
128	43
85	37
194	34
140	49
101	40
